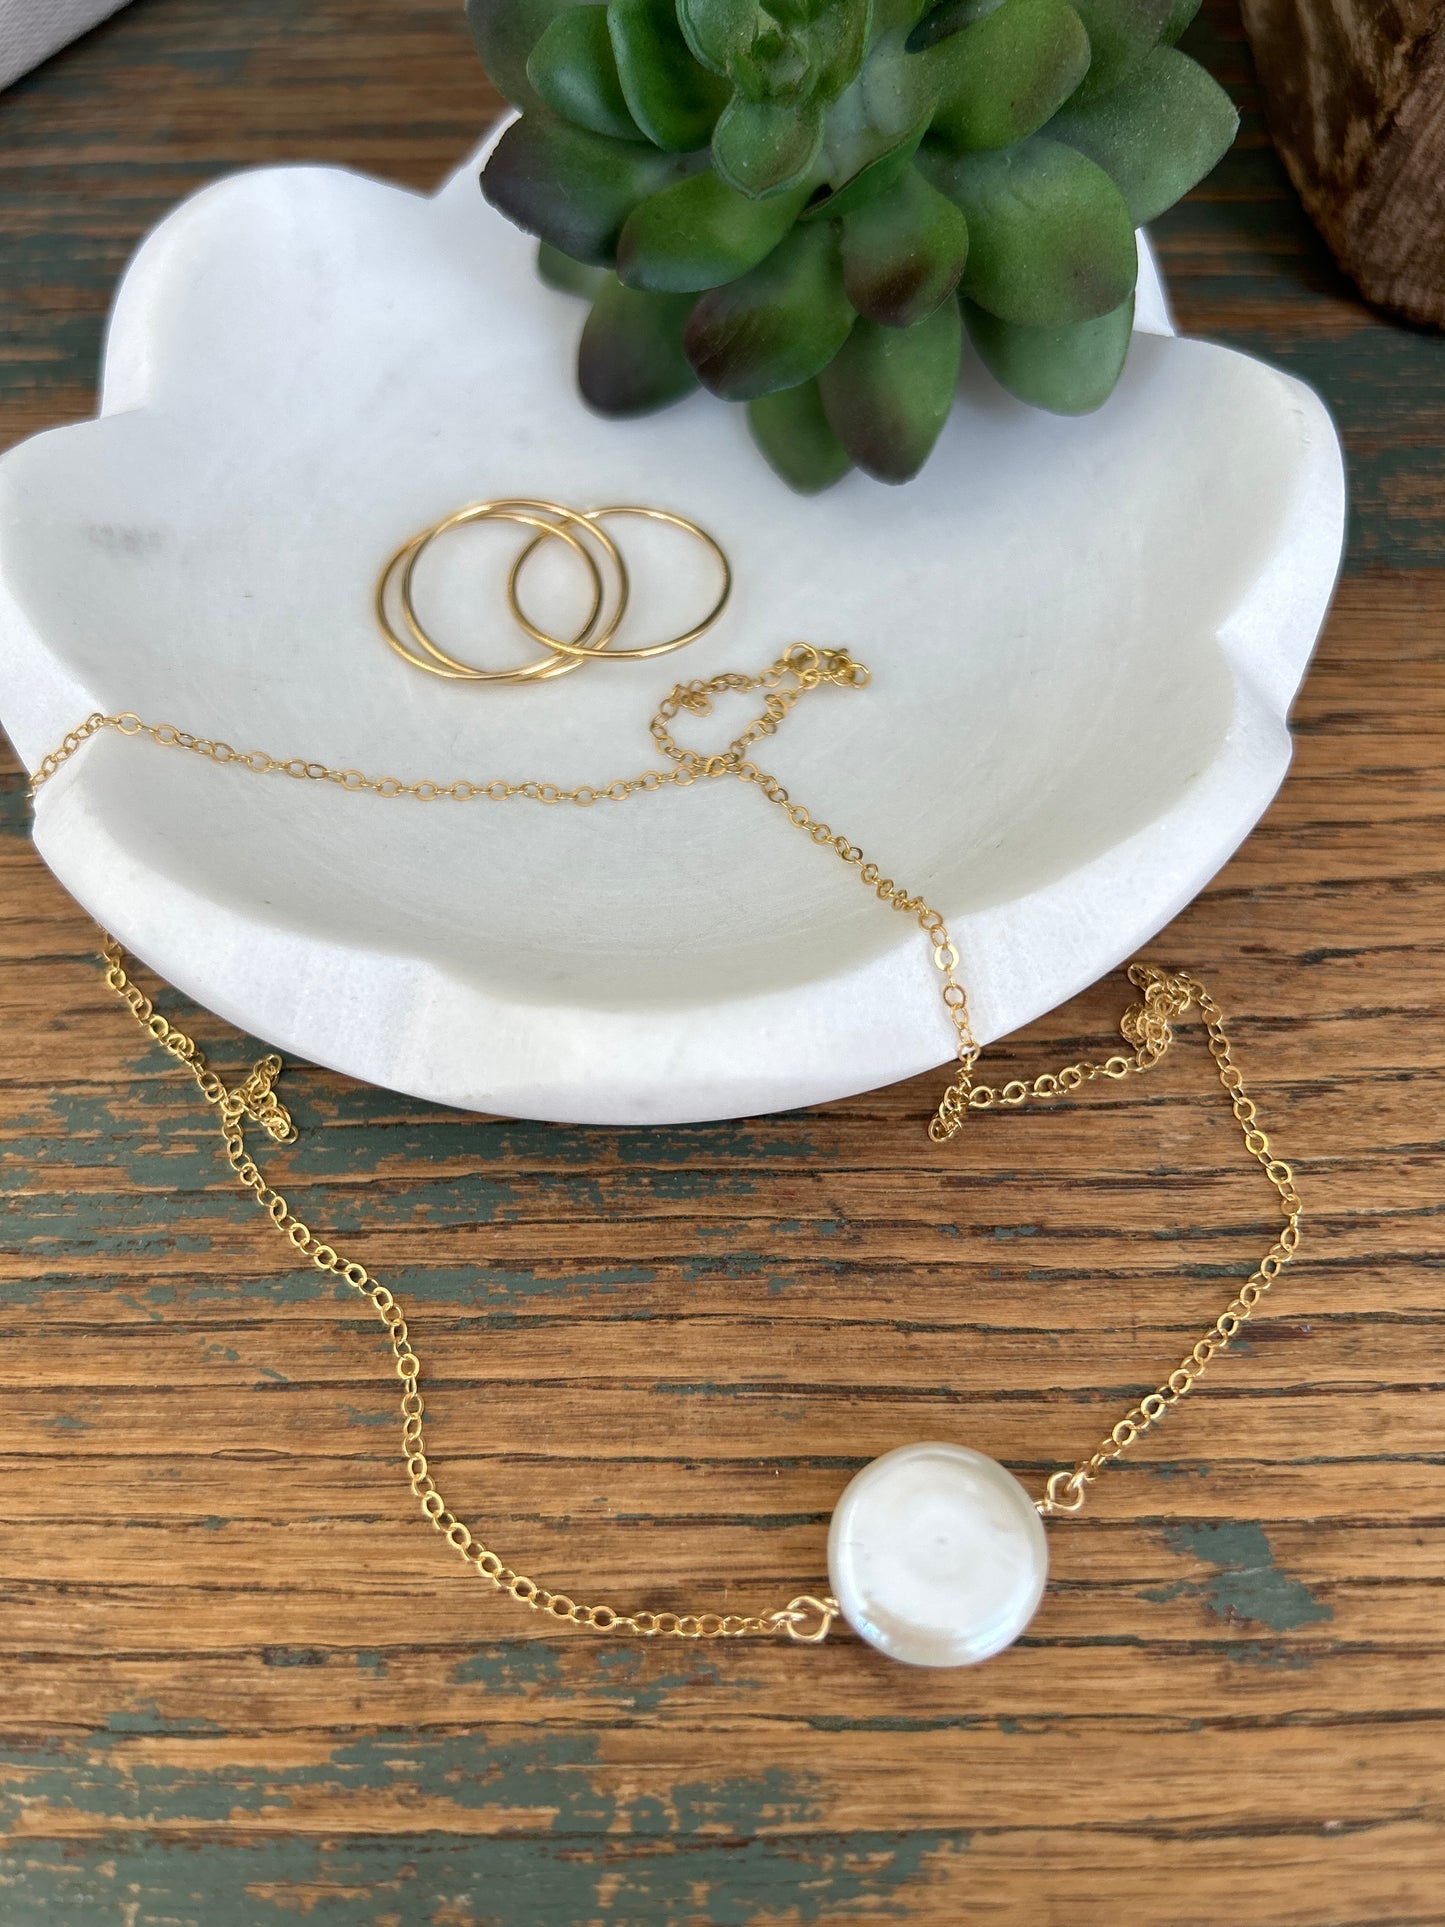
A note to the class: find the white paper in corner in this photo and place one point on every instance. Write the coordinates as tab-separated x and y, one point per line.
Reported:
32	30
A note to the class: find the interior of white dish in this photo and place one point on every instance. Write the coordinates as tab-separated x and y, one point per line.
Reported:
340	363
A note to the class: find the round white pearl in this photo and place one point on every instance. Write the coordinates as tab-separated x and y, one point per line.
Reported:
937	1555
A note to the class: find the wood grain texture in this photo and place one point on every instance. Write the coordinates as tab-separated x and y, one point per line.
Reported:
243	1686
1356	96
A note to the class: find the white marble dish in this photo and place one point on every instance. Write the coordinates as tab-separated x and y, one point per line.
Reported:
1084	637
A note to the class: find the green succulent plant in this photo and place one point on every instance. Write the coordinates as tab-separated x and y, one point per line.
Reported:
804	205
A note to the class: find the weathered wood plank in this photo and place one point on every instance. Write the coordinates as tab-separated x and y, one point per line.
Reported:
723	1879
1219	1676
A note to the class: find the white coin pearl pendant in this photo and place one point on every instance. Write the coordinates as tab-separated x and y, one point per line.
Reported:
937	1555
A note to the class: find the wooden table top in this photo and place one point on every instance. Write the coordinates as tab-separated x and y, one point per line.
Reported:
243	1684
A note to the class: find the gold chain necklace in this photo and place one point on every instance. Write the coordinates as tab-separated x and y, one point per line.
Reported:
940	1493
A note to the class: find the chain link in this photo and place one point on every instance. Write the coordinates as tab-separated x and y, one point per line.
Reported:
1146	1028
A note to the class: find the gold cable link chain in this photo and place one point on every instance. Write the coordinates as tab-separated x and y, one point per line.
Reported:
1146	1027
805	1618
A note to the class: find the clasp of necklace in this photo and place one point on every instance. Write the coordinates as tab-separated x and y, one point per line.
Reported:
812	666
799	669
806	1619
1064	1492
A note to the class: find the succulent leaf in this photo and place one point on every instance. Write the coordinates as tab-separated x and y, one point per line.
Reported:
794	434
1157	133
1050	238
894	93
567	276
764	147
1180	15
1120	33
572	71
837	40
504	33
631	358
874	127
1070	370
887	391
1004	77
900	16
858	182
903	252
775	67
777	326
673	100
572	188
948	18
699	233
719	32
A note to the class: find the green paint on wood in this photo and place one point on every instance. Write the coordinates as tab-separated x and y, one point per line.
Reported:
342	1123
175	1148
511	1667
512	1779
765	1140
1273	1654
427	1879
144	1716
568	1840
636	1678
83	1267
1246	1584
639	1678
146	1134
379	1418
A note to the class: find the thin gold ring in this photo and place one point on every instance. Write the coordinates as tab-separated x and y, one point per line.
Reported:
562	662
506	508
437	663
594	517
514	510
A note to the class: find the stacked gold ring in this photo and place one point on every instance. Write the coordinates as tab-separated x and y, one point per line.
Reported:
582	531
